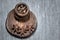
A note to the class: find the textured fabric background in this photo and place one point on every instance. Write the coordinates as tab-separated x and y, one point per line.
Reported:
48	17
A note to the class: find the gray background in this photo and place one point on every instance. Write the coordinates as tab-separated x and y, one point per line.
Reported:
48	17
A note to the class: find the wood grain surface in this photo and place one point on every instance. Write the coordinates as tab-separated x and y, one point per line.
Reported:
47	13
